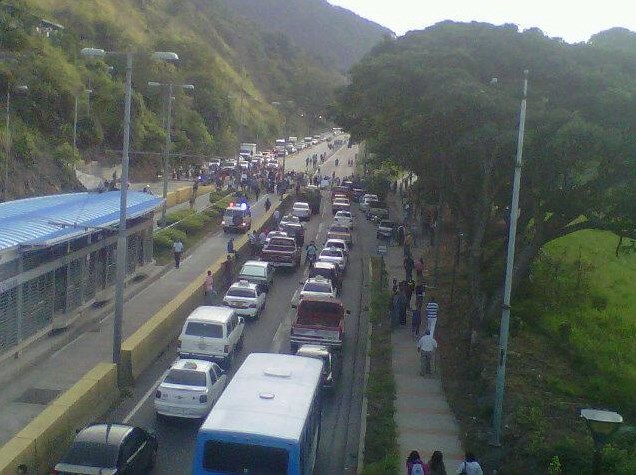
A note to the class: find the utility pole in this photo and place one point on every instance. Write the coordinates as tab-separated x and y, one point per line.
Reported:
7	146
166	153
122	246
510	260
75	124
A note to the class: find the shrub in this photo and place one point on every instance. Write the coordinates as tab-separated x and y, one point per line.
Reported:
165	238
193	223
178	216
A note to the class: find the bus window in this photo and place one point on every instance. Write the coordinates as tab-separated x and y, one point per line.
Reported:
230	457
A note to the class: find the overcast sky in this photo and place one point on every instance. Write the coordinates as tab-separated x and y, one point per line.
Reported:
571	20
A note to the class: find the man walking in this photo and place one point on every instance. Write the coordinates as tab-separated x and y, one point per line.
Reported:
426	346
408	267
177	250
432	310
228	271
276	218
208	288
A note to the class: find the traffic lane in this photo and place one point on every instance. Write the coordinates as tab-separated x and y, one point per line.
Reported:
344	154
176	437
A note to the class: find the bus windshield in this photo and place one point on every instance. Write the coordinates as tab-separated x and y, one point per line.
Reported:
244	459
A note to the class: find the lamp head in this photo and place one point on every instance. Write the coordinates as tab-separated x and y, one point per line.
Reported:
165	56
95	52
602	424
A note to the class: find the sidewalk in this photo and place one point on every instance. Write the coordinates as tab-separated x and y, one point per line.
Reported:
30	392
424	419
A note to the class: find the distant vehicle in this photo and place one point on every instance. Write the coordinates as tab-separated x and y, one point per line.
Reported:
110	449
245	298
237	217
334	255
340	204
344	218
228	165
324	183
211	333
295	230
282	252
337	231
258	272
314	287
318	321
328	270
272	234
366	200
331	363
301	210
189	389
292	140
386	229
290	218
342	190
247	150
356	195
339	243
266	422
308	141
377	211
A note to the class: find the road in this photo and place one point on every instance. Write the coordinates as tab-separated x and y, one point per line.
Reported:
341	410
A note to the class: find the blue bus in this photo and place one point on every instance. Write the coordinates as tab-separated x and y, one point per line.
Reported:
266	422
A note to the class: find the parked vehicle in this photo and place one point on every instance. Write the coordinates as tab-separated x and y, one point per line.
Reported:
110	449
319	321
282	252
266	422
258	272
377	211
366	199
295	230
331	363
343	190
212	333
245	298
338	243
189	389
290	218
340	204
316	287
273	234
344	218
301	210
334	255
386	229
328	270
337	231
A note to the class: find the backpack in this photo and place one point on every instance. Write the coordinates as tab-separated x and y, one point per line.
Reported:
417	469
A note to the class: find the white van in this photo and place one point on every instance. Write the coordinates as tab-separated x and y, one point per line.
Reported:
212	333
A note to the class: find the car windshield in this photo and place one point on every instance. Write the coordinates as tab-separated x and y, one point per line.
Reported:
317	287
185	377
338	229
243	293
256	271
331	253
92	454
209	330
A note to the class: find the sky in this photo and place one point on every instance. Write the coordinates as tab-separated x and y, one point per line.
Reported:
574	21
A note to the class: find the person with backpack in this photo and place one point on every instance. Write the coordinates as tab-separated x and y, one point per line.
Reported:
414	464
436	464
469	466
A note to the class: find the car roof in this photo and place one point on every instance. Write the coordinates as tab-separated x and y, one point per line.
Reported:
256	263
243	284
332	249
320	279
212	314
192	364
339	241
107	434
301	203
313	350
325	265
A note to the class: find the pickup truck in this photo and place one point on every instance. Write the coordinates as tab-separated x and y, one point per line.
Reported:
282	251
377	211
319	321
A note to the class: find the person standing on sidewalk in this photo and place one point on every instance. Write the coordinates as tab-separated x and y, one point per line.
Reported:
470	466
432	311
426	346
208	288
228	270
177	250
414	464
436	464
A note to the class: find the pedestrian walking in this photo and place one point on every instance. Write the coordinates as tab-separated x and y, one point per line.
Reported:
268	204
230	246
416	321
228	270
436	464
470	466
410	288
208	288
253	239
414	464
419	294
276	218
408	267
419	268
177	250
192	200
400	235
432	311
408	244
402	302
426	347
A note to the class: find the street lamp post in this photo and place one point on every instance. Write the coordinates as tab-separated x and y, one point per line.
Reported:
279	104
603	425
510	260
122	238
7	144
166	152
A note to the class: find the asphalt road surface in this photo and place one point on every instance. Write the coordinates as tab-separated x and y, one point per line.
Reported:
341	409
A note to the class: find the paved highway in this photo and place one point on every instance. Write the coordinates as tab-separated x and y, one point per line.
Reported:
341	410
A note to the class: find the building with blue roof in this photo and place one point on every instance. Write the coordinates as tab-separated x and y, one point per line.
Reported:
57	253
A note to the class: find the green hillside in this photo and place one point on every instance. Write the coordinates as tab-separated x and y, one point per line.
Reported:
337	36
226	57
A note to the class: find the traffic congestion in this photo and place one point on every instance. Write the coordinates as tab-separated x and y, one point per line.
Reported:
299	294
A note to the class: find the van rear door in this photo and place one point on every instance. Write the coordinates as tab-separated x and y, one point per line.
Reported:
203	338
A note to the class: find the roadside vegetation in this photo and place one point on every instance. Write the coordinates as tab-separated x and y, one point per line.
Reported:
381	451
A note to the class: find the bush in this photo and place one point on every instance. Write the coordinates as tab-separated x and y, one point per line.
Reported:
178	216
193	223
164	239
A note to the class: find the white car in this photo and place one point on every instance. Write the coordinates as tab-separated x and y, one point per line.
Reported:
324	184
318	286
366	199
245	298
290	218
189	389
334	255
344	218
301	210
339	243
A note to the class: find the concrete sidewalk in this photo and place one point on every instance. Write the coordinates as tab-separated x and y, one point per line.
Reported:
30	392
424	419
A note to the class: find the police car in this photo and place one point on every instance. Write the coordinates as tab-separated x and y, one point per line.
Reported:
245	298
237	217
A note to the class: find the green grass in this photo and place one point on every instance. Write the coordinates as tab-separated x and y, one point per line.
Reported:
583	297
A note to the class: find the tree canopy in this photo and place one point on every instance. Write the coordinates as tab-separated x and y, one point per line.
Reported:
428	101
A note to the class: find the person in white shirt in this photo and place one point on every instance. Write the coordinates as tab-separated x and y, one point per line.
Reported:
470	466
177	249
426	346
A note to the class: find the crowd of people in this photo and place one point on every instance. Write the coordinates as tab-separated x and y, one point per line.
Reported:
435	465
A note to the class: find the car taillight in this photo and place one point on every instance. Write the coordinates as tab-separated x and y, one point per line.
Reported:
158	394
226	349
203	398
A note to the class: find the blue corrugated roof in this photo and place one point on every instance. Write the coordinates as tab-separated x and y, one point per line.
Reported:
31	221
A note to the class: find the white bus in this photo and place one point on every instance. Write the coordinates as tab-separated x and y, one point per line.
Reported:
266	422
